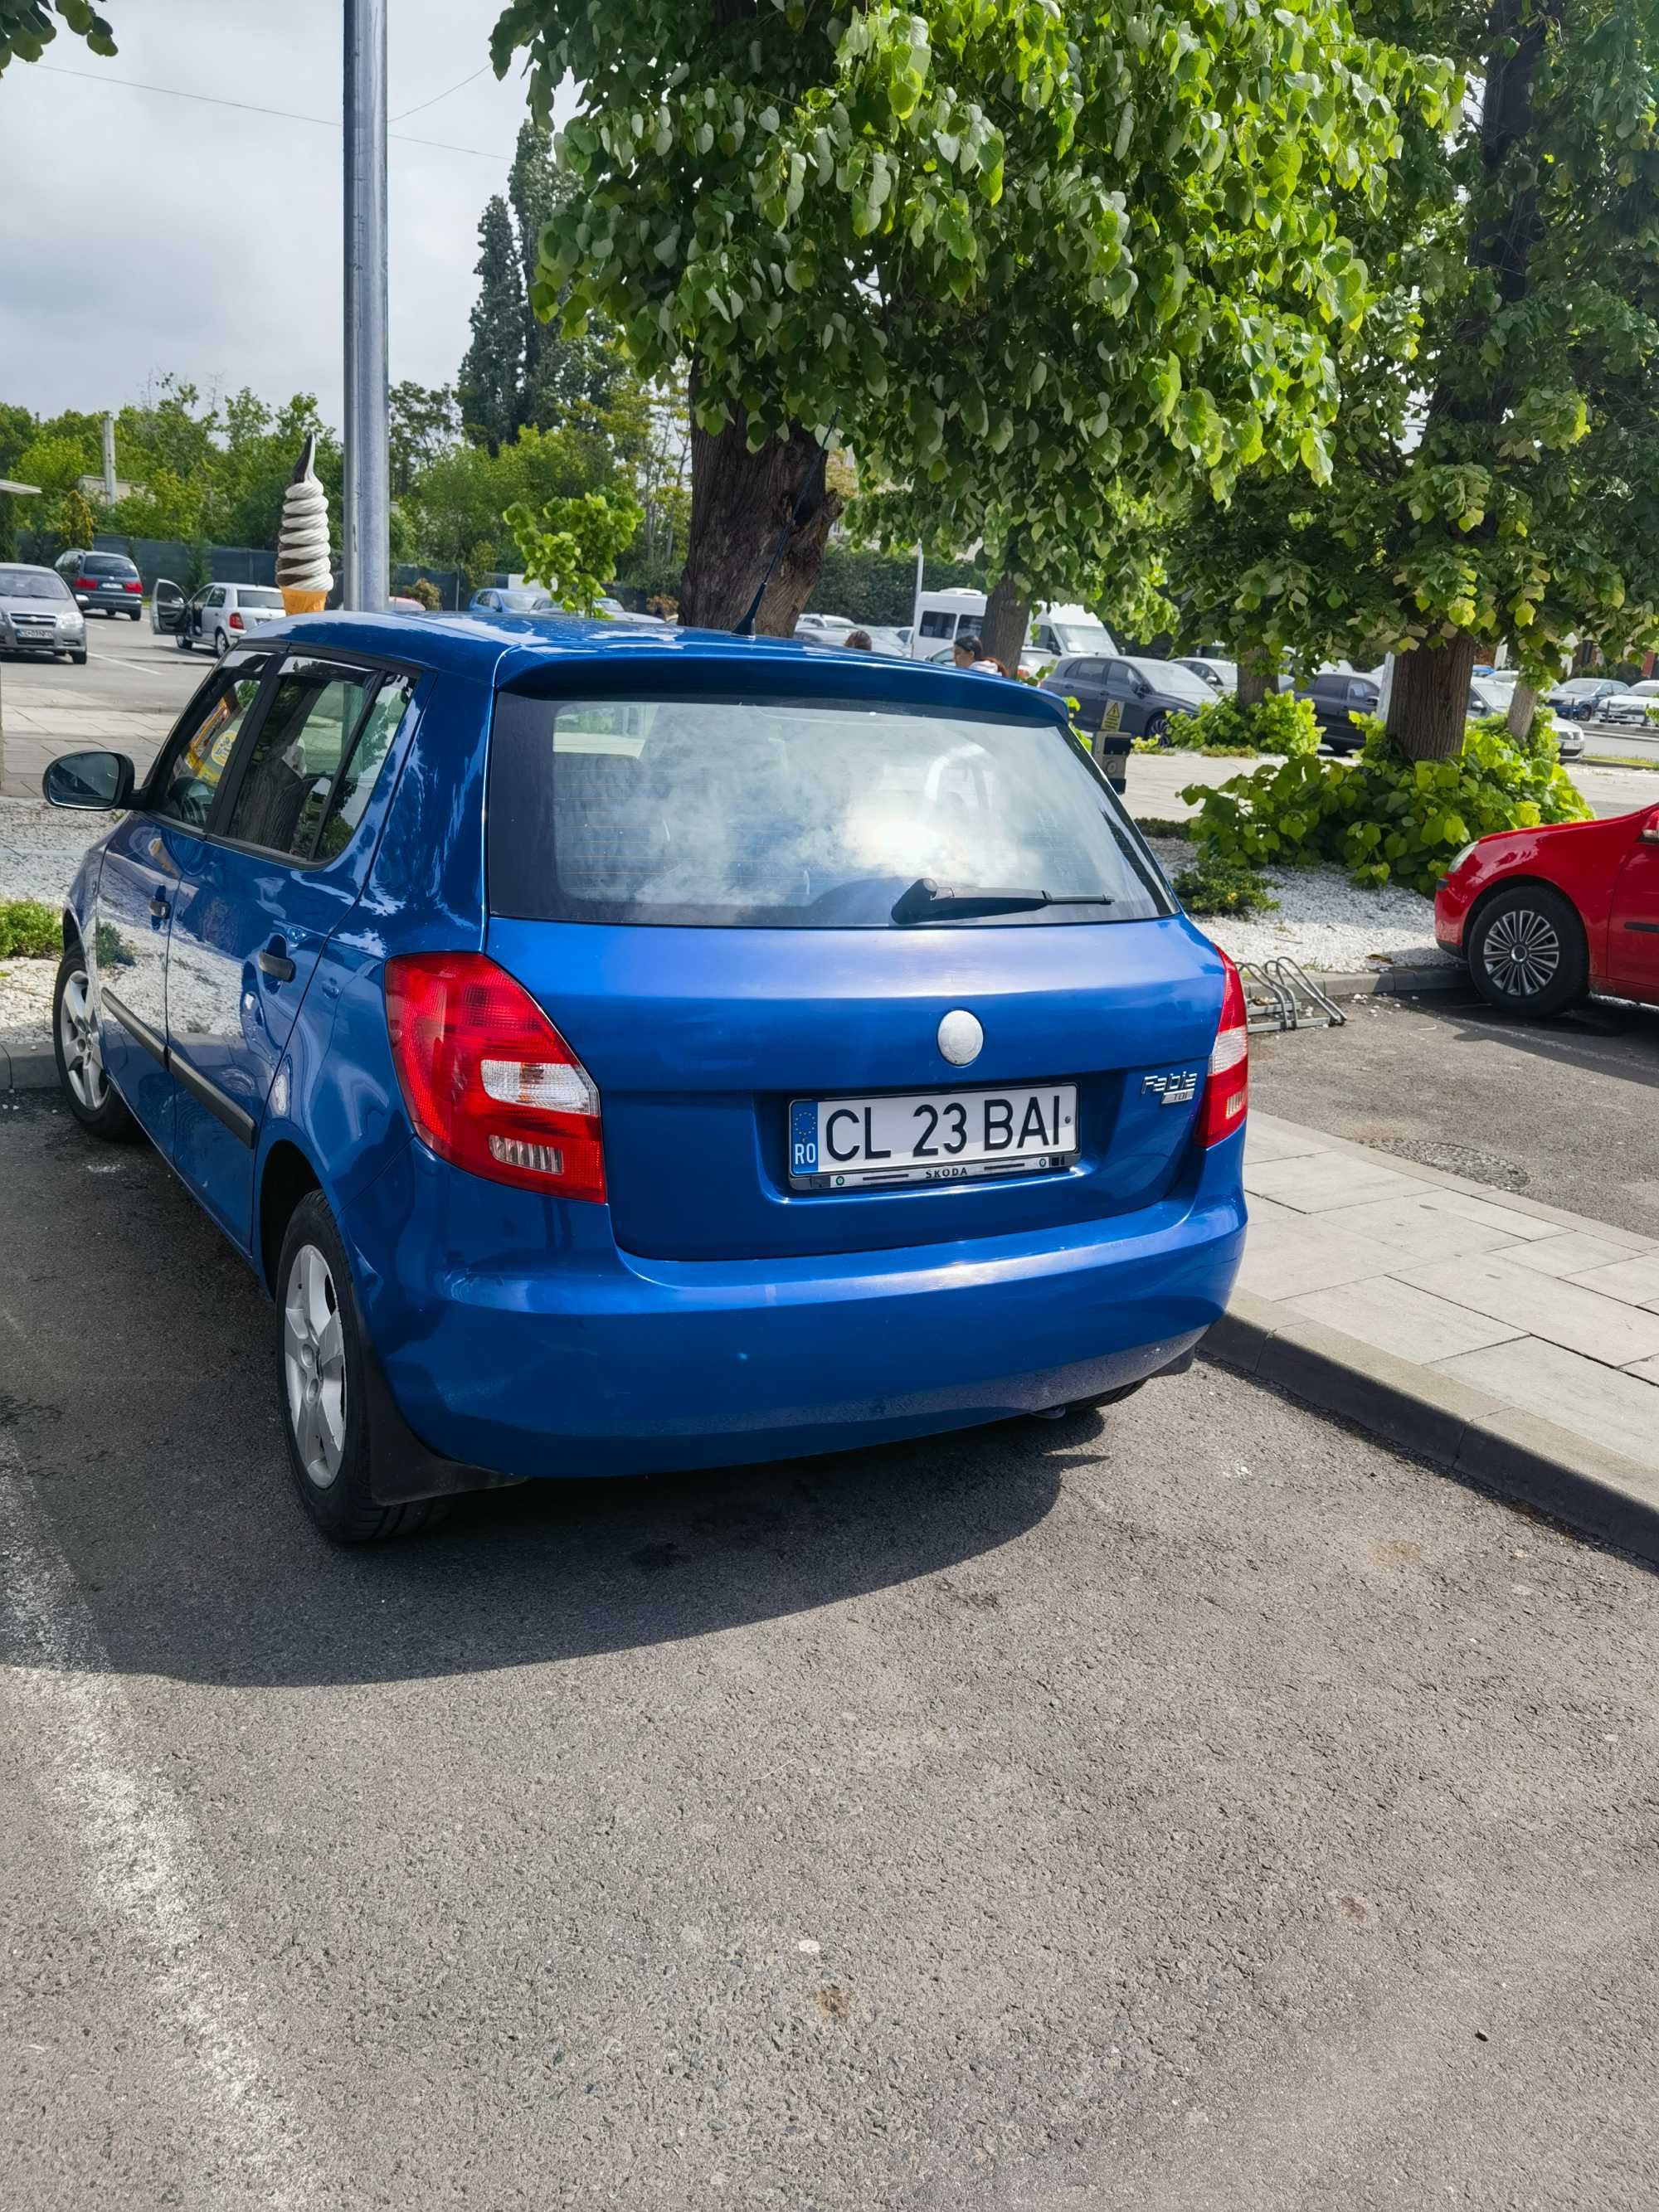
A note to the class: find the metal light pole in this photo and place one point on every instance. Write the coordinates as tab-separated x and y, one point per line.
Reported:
368	500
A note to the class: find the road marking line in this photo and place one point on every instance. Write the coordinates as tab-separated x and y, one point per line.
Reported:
146	1869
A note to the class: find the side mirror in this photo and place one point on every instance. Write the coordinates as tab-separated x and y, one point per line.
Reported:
1648	832
98	783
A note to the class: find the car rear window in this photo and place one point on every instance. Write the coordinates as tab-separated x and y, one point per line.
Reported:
107	564
257	595
796	814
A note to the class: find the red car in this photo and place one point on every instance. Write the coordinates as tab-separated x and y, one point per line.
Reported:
1543	916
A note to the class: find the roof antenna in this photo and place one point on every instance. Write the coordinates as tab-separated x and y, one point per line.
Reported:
800	514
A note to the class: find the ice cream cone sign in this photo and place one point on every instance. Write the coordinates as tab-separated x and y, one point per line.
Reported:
305	575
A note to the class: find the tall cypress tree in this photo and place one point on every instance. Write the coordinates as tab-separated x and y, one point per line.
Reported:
491	384
560	373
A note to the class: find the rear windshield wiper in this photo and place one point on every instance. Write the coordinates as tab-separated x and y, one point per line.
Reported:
926	901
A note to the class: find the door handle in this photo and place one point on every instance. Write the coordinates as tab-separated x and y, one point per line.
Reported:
158	906
276	965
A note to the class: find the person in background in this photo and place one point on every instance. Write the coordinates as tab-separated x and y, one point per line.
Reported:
859	640
965	654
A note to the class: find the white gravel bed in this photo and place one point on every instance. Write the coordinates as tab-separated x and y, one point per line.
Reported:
1322	921
26	1000
40	848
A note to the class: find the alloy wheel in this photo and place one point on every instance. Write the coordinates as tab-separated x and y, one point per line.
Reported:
1522	953
83	1052
313	1365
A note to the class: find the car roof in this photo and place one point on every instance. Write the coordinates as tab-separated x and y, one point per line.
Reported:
504	649
28	568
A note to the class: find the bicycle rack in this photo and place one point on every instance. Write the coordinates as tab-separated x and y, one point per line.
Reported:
1280	994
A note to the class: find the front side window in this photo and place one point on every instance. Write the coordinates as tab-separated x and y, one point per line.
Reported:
282	795
797	814
195	767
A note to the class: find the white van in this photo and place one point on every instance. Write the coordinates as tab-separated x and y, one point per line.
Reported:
1052	633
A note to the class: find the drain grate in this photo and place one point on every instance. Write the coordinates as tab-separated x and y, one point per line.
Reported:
1455	1159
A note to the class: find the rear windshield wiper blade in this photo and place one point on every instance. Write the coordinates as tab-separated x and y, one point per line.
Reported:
928	901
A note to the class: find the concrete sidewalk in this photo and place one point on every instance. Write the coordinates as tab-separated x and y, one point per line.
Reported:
1502	1338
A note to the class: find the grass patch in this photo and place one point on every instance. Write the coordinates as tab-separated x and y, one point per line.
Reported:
1216	886
1616	760
1158	825
28	930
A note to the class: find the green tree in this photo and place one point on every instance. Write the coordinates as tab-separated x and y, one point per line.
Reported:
423	423
571	547
1013	254
1497	472
562	376
27	28
491	384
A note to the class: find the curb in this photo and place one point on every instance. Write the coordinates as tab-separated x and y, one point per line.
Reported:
1459	1430
1392	982
26	1067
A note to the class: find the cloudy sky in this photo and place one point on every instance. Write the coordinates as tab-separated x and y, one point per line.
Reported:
147	232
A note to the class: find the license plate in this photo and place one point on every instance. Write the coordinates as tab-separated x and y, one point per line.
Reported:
935	1136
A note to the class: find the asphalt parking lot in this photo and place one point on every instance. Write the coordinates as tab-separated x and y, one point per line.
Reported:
1191	1806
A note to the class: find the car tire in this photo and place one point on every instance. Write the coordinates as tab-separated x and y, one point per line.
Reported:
322	1387
1527	952
180	638
77	1047
79	657
135	614
220	644
1157	729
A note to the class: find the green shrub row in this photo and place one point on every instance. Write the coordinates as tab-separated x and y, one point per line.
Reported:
1281	723
1383	819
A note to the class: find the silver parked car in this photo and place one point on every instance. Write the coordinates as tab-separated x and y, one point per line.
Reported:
38	613
1630	707
219	614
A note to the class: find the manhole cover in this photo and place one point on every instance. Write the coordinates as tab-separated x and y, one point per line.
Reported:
1455	1159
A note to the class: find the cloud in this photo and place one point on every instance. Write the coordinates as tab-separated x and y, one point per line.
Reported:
147	233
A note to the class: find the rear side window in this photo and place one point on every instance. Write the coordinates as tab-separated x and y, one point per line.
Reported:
786	814
282	795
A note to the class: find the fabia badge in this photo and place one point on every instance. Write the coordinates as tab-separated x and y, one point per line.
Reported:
1178	1088
960	1037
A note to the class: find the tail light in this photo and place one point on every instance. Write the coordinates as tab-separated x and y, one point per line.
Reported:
489	1083
235	621
132	584
86	583
1227	1091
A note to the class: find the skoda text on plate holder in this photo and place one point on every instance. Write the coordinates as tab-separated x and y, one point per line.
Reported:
933	1137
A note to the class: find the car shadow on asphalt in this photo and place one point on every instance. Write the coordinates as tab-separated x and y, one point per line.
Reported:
141	1396
1622	1041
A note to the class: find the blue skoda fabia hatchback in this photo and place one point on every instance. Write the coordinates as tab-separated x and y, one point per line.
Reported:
621	1049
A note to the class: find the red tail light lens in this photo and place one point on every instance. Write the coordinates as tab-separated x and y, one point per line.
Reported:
1227	1091
132	584
489	1083
235	621
86	583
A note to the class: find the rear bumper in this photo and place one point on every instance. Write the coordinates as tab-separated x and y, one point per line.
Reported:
514	1336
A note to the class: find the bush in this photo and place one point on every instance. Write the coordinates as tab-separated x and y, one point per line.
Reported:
1212	885
1383	819
28	930
1281	723
426	592
1159	825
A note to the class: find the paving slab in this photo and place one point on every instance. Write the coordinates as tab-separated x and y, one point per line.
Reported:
1635	1281
1283	1256
1572	1254
1598	1328
1411	1324
1320	1180
1534	1376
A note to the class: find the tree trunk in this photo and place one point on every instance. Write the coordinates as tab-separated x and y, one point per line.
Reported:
741	504
1007	616
1523	705
1256	673
1428	707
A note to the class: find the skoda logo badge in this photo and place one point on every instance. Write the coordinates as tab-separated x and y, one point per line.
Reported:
960	1037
